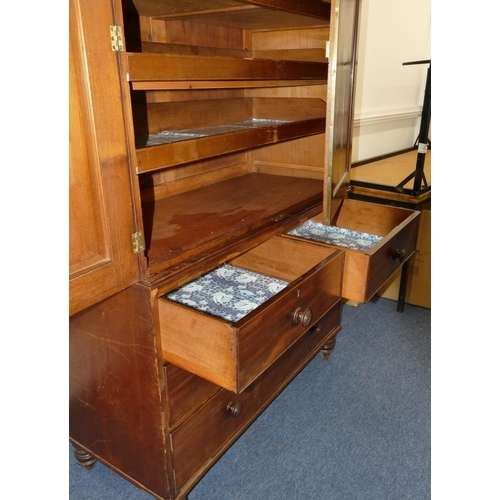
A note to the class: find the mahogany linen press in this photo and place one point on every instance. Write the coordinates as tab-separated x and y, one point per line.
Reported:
211	237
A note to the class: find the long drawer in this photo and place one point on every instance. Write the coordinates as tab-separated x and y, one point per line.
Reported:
185	393
233	354
366	270
208	432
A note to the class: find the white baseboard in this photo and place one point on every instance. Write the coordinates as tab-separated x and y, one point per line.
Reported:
383	117
384	132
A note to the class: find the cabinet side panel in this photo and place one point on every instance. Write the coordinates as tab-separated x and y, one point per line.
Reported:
116	382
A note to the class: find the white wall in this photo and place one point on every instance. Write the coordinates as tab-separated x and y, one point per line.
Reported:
389	96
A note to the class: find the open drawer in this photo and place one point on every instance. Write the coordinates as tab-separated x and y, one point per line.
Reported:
377	240
269	297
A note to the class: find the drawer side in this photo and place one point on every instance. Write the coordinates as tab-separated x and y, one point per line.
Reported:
199	344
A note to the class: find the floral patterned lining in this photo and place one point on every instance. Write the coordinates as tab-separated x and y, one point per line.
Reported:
337	236
168	136
227	292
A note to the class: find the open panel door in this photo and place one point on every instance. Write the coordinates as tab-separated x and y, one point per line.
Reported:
103	259
340	108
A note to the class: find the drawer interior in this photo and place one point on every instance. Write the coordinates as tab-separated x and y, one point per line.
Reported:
282	259
227	292
358	226
250	279
372	218
334	235
301	282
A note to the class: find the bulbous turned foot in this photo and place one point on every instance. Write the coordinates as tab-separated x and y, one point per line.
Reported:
328	348
83	458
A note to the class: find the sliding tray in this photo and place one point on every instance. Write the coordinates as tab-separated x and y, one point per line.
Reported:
229	325
174	133
151	68
244	14
376	239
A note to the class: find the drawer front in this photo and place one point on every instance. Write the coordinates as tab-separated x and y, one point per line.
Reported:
391	256
185	393
200	440
233	355
365	273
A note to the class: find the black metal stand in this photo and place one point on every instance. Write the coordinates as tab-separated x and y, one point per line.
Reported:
403	285
423	137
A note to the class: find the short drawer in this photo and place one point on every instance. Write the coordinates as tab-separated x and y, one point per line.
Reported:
233	354
366	270
202	438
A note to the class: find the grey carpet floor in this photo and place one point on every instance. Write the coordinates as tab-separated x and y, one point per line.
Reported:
355	427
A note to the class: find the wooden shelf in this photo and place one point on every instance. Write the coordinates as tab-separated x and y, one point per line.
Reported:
191	226
208	128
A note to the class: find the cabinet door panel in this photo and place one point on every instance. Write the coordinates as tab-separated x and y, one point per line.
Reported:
102	260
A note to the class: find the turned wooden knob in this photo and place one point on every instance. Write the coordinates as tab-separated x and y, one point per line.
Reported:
399	255
233	409
302	317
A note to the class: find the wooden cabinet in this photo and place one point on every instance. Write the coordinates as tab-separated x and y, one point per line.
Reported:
203	134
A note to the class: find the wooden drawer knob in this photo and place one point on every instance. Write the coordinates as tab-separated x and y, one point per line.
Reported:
302	317
233	409
399	255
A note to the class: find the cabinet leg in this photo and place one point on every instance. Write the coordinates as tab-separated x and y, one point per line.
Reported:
83	458
328	348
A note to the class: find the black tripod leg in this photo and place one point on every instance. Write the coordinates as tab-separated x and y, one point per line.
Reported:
423	136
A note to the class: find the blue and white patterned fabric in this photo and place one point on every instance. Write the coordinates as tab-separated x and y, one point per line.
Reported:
337	236
227	292
169	136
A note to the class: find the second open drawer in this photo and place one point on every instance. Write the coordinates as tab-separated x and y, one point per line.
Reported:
377	240
305	280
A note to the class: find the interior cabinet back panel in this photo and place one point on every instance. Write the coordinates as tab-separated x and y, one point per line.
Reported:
203	35
169	182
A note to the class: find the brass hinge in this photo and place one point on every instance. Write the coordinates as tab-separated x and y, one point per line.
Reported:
116	38
137	242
